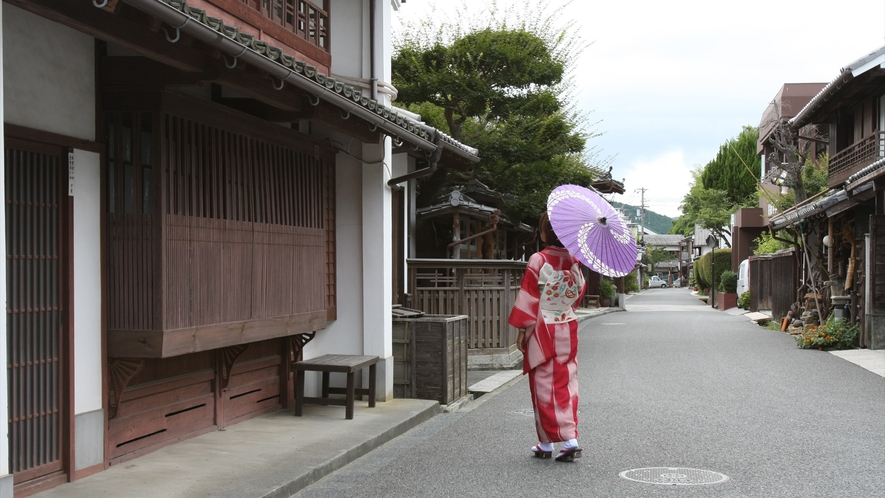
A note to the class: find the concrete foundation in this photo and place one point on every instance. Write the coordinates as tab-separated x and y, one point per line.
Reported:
89	439
876	326
495	361
6	486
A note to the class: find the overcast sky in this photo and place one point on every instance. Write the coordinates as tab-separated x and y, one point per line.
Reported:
669	82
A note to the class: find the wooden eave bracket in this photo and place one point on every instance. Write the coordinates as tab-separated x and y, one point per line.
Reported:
122	371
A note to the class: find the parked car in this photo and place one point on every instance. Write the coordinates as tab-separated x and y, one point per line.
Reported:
743	274
656	281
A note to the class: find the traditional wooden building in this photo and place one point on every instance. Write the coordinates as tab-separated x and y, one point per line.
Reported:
845	226
196	194
469	259
468	224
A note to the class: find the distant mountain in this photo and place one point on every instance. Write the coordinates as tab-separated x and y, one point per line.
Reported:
655	222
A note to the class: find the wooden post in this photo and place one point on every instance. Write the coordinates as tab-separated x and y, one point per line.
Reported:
456	235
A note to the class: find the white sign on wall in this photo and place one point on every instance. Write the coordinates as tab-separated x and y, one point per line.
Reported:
71	174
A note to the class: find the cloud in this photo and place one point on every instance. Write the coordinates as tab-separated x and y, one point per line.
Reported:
667	83
664	178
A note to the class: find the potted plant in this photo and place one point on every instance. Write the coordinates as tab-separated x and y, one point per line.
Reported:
727	297
606	292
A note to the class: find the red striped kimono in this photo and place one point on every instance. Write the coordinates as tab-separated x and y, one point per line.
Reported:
551	288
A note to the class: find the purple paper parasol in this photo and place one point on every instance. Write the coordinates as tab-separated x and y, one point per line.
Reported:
590	228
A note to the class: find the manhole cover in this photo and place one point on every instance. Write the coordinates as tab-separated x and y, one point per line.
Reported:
675	476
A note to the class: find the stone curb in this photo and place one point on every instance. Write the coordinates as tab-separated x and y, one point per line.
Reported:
351	454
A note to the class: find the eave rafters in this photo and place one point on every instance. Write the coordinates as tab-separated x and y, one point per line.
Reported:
171	57
132	30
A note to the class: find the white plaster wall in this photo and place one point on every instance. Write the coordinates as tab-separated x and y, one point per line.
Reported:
363	209
5	478
344	335
49	75
377	221
49	85
350	31
87	281
377	266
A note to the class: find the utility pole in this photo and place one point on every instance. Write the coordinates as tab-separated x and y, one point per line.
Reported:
642	214
641	238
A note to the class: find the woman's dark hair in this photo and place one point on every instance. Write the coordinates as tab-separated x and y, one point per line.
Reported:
548	236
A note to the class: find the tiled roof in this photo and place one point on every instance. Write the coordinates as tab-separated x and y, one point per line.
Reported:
663	240
874	170
236	44
873	60
458	202
807	209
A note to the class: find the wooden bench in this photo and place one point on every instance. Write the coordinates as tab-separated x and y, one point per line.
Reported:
590	300
335	363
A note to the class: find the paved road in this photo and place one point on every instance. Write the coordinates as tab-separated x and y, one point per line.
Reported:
670	383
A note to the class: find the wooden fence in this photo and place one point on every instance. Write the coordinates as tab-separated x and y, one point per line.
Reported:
774	282
482	289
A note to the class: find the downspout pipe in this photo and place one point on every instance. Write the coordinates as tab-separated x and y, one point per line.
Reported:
434	163
411	176
207	35
372	77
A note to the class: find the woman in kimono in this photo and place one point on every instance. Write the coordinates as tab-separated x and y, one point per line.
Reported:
548	338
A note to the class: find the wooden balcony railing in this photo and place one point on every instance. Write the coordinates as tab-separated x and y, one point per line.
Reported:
304	18
858	155
482	289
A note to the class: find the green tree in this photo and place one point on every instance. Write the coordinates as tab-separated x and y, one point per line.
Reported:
528	185
767	243
491	73
501	86
682	226
735	169
725	184
709	208
654	256
815	174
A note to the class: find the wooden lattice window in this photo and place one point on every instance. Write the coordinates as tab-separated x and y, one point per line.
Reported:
212	173
35	179
302	17
131	224
264	208
215	229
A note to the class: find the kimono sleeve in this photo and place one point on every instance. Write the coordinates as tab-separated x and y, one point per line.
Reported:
524	314
576	270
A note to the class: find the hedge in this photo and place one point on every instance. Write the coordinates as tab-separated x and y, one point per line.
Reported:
703	270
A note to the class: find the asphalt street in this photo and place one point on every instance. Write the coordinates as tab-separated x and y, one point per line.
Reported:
692	394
